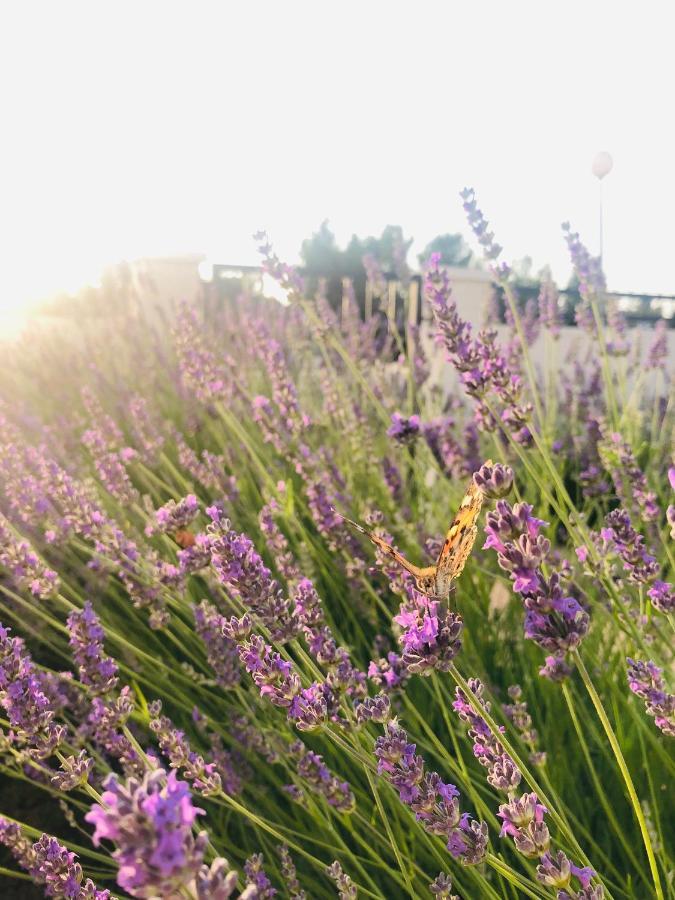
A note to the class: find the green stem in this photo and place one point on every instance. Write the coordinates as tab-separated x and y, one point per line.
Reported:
621	762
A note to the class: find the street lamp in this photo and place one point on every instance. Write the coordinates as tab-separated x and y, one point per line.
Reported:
602	165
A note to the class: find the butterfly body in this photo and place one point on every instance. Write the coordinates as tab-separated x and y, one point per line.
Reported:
436	581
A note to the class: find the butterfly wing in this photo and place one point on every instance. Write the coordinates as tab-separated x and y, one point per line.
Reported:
461	536
185	538
415	571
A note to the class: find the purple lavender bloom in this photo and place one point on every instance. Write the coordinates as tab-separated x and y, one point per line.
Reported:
434	802
346	887
176	748
620	537
662	595
97	671
389	672
312	769
557	872
75	771
588	268
197	556
629	480
257	882
549	308
441	887
290	874
25	696
287	276
174	516
103	726
503	773
307	707
404	430
24	565
555	669
150	822
657	354
517	713
217	881
240	568
277	542
221	651
205	376
15	841
479	224
431	634
646	681
55	867
553	621
374	709
495	481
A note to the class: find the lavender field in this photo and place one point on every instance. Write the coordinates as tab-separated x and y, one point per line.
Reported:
213	686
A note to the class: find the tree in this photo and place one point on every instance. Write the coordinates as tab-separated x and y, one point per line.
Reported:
452	247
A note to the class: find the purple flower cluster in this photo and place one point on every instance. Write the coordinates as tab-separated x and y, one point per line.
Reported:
257	883
479	224
176	748
503	773
23	564
290	874
589	272
312	769
25	697
277	542
204	375
434	802
557	623
403	430
494	480
221	651
274	676
97	670
441	887
431	634
517	713
50	864
208	470
481	363
174	516
345	886
549	310
523	820
287	276
240	568
646	681
629	480
104	725
150	822
55	867
618	539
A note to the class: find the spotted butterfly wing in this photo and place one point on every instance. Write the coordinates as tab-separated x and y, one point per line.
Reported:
415	571
460	538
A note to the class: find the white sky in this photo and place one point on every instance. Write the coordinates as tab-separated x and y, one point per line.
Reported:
144	128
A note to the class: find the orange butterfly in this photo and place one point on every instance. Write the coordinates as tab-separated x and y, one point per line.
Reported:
436	581
184	538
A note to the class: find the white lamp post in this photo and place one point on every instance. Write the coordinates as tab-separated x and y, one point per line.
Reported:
602	165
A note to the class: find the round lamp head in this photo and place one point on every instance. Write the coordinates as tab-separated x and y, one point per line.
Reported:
602	164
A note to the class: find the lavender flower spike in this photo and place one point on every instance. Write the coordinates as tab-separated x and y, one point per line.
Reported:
646	681
150	822
97	671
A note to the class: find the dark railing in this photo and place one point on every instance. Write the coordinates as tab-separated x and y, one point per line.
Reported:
398	301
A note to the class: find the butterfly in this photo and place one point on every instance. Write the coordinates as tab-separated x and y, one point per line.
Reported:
435	581
184	538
